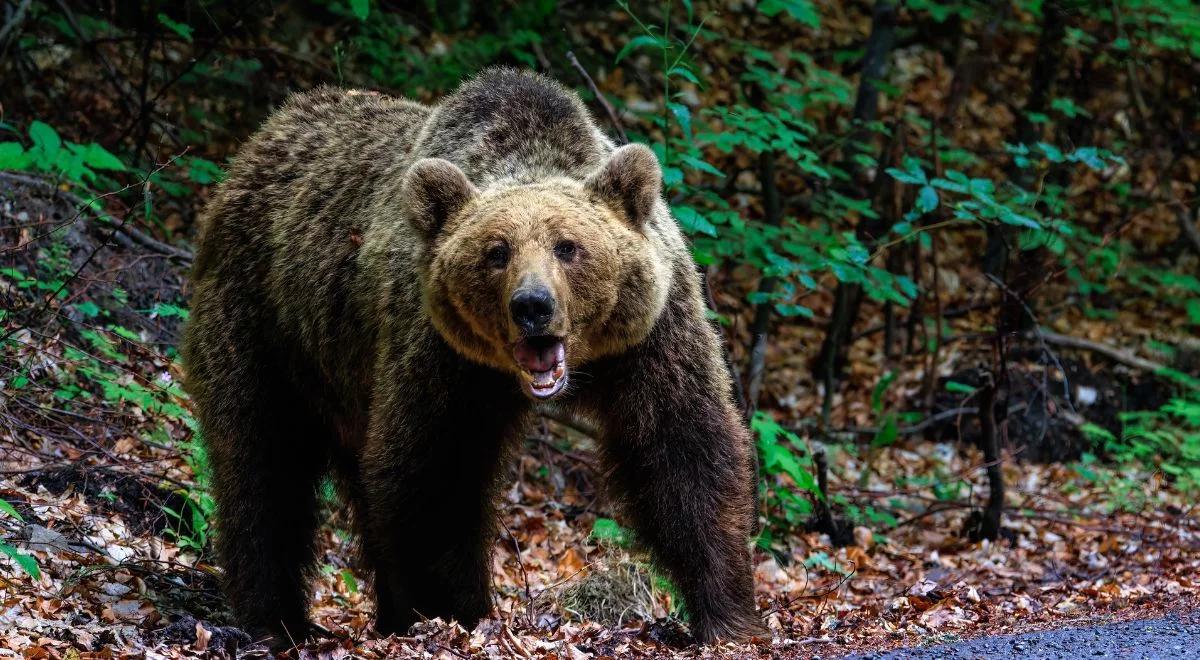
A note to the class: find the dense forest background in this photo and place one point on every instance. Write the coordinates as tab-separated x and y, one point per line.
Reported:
953	248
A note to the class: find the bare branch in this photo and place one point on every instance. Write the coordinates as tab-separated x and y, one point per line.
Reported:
612	113
1115	354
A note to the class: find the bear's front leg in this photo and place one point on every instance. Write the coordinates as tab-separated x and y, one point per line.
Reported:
681	457
429	474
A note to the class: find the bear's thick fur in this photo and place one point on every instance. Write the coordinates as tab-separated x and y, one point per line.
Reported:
385	291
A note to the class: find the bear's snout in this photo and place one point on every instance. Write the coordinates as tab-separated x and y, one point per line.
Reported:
532	309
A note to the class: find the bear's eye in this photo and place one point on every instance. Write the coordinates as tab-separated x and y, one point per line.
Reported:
496	256
565	250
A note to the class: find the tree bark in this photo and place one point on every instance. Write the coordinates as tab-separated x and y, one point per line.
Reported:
1001	238
989	526
773	216
848	297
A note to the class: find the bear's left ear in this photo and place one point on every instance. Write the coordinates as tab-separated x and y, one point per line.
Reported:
630	181
434	190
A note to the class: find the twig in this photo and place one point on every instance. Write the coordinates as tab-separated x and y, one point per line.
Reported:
574	456
1117	355
114	228
1131	65
15	19
819	595
825	522
1186	226
524	573
612	113
1037	329
949	313
566	419
132	232
923	424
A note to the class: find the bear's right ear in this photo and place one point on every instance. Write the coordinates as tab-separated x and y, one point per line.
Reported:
435	189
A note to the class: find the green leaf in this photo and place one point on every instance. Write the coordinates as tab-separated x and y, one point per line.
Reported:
789	310
693	223
360	8
1053	153
927	199
959	388
683	115
640	41
96	156
1096	433
1011	217
204	171
801	10
8	508
879	390
911	174
27	563
349	581
887	433
12	156
607	530
1193	311
45	138
87	308
182	29
685	73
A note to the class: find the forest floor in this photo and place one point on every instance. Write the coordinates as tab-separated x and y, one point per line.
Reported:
96	489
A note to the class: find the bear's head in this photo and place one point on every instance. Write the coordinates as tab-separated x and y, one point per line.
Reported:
539	278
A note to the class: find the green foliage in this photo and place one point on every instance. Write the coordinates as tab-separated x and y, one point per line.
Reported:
48	153
390	49
194	524
103	369
1159	26
793	251
26	562
1166	440
788	486
182	29
607	530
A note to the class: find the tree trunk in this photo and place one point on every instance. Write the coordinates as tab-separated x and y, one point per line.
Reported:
989	526
1001	238
828	366
773	216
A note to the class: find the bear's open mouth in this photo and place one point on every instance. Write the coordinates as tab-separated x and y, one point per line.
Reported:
544	361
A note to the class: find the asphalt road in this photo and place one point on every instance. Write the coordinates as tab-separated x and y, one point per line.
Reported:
1169	637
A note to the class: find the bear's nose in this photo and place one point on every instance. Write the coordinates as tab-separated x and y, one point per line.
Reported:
532	309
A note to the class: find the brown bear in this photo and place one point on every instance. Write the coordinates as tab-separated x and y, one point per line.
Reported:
387	291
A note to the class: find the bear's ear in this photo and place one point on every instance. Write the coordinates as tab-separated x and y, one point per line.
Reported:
630	181
435	189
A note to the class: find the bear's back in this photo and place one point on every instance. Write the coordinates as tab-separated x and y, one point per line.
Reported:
513	126
282	231
313	163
